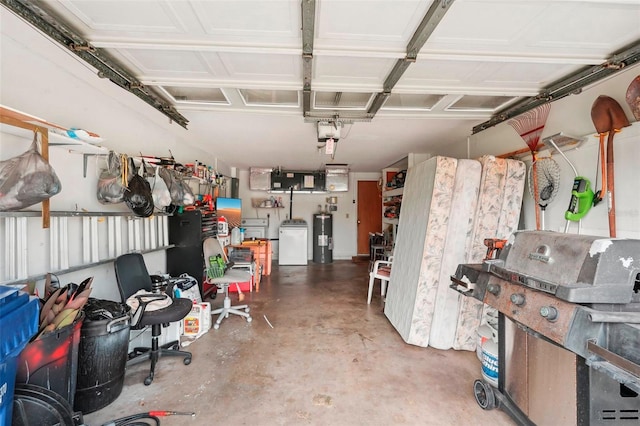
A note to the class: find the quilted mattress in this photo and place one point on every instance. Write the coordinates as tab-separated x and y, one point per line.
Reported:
497	216
449	207
420	240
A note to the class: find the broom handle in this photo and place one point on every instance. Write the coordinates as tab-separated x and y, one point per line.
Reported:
534	166
610	186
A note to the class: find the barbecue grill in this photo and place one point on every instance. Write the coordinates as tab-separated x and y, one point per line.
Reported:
569	327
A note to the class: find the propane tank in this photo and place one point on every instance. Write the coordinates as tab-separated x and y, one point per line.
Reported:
490	358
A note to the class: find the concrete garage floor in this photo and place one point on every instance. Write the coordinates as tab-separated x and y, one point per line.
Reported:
330	359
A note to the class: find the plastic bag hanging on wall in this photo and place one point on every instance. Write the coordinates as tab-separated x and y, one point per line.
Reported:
110	183
138	195
27	179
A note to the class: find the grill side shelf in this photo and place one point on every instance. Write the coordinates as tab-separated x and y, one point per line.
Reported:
617	367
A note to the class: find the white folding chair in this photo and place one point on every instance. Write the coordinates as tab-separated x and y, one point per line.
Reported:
381	271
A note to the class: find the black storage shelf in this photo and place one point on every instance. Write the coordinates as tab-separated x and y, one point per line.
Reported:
187	232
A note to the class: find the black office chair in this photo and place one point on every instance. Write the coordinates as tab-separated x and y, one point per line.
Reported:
132	276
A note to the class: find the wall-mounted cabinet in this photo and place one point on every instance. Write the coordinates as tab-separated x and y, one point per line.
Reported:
260	178
282	180
337	177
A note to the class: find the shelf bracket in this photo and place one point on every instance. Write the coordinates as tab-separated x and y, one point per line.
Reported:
85	161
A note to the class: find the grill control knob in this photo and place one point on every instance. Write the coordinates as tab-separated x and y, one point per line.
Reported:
493	289
549	312
517	299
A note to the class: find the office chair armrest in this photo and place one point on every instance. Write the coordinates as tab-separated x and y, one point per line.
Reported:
142	305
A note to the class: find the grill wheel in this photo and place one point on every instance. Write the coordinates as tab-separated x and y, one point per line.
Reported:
485	397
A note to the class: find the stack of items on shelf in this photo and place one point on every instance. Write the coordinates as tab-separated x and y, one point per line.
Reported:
392	207
397	181
450	206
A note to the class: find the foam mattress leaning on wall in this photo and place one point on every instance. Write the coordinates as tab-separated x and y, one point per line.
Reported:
449	207
497	216
419	250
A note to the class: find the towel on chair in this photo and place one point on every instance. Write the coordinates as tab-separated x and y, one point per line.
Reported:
155	302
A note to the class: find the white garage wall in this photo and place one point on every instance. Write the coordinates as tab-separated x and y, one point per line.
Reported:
572	115
39	78
304	206
78	194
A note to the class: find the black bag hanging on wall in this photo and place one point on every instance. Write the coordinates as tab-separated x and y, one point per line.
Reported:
138	195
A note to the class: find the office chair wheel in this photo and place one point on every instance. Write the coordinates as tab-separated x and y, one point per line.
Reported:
187	360
148	380
246	310
249	319
216	326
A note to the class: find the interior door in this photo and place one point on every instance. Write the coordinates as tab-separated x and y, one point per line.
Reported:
369	213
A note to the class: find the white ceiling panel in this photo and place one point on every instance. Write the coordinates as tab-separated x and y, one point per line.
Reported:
366	24
491	24
499	77
440	73
168	62
133	17
549	28
356	72
263	67
600	26
279	98
266	21
533	76
219	61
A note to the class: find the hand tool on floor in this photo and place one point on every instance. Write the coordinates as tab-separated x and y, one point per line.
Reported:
608	117
529	126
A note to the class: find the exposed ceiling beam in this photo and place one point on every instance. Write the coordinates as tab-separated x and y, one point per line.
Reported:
566	86
308	34
429	23
107	67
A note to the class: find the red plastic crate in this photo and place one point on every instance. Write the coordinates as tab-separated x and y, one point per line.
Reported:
245	287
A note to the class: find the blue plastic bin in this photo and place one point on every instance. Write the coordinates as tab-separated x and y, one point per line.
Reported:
18	323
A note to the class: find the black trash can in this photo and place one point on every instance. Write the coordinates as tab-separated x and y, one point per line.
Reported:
51	361
36	405
102	356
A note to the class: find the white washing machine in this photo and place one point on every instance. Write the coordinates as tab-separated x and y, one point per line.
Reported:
293	242
255	228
